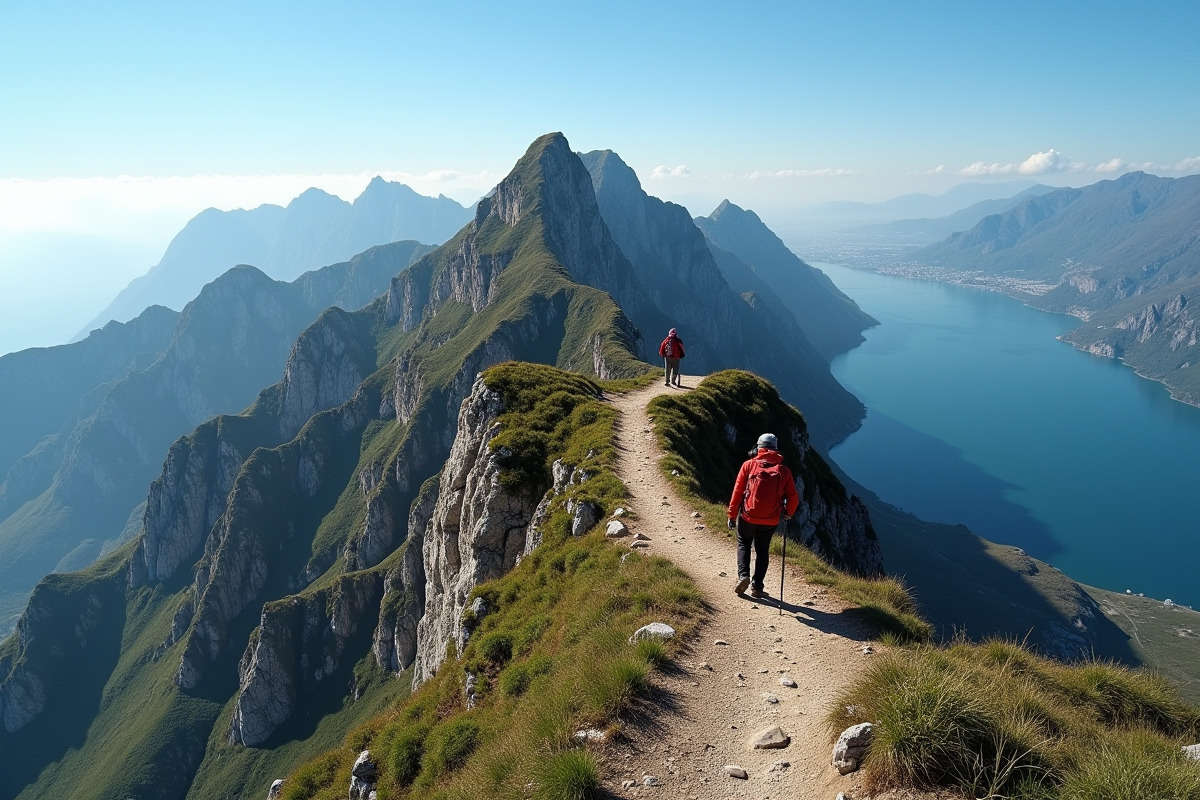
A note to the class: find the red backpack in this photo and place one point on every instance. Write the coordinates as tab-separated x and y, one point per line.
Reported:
764	489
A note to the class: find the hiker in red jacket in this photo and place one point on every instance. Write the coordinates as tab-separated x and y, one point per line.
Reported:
764	493
672	350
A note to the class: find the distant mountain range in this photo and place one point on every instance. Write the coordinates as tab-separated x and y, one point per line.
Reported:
313	230
848	214
931	229
1123	255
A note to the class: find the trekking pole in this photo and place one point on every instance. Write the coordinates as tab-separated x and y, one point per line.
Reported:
782	563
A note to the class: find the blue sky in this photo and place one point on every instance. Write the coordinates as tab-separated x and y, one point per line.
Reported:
127	118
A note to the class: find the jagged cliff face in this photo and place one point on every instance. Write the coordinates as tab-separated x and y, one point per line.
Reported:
74	495
476	533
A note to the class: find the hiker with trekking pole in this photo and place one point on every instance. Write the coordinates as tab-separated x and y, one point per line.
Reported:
763	496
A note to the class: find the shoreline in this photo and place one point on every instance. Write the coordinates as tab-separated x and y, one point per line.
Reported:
1005	286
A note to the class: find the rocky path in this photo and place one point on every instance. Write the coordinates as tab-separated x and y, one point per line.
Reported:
726	684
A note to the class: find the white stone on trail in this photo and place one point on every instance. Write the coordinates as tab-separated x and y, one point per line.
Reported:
650	780
641	537
772	738
695	515
616	529
721	642
734	771
639	543
788	682
619	512
655	630
770	698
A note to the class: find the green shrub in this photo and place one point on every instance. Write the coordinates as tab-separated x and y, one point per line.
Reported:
569	775
516	677
312	777
496	647
407	749
454	742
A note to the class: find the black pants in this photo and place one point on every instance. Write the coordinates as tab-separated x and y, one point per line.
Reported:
760	537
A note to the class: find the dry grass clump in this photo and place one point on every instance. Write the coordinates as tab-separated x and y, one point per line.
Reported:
995	720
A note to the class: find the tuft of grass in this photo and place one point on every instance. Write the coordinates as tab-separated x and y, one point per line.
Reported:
568	775
1134	767
995	720
406	751
612	686
516	678
452	744
653	652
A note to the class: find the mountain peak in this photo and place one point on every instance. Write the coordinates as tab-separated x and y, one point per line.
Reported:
608	170
383	189
732	214
315	198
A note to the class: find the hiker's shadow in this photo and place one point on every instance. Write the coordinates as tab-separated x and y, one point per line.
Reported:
849	624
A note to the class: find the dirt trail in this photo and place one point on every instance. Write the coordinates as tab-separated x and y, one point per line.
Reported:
717	695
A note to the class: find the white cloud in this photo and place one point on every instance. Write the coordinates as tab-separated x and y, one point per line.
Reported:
801	173
1186	165
1037	164
680	171
979	168
1043	163
1112	165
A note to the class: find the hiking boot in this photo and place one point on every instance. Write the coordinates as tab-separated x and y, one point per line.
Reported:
741	585
758	591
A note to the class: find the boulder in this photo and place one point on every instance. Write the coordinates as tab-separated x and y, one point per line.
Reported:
275	790
851	746
655	630
772	738
616	529
1192	751
363	777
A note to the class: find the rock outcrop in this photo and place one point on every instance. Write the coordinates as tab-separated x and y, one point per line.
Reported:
477	533
300	641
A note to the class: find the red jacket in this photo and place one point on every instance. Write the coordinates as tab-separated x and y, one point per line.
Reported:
678	347
790	496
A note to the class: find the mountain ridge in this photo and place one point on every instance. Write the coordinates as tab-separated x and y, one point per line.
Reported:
314	229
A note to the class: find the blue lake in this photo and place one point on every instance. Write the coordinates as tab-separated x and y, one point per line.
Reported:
977	415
